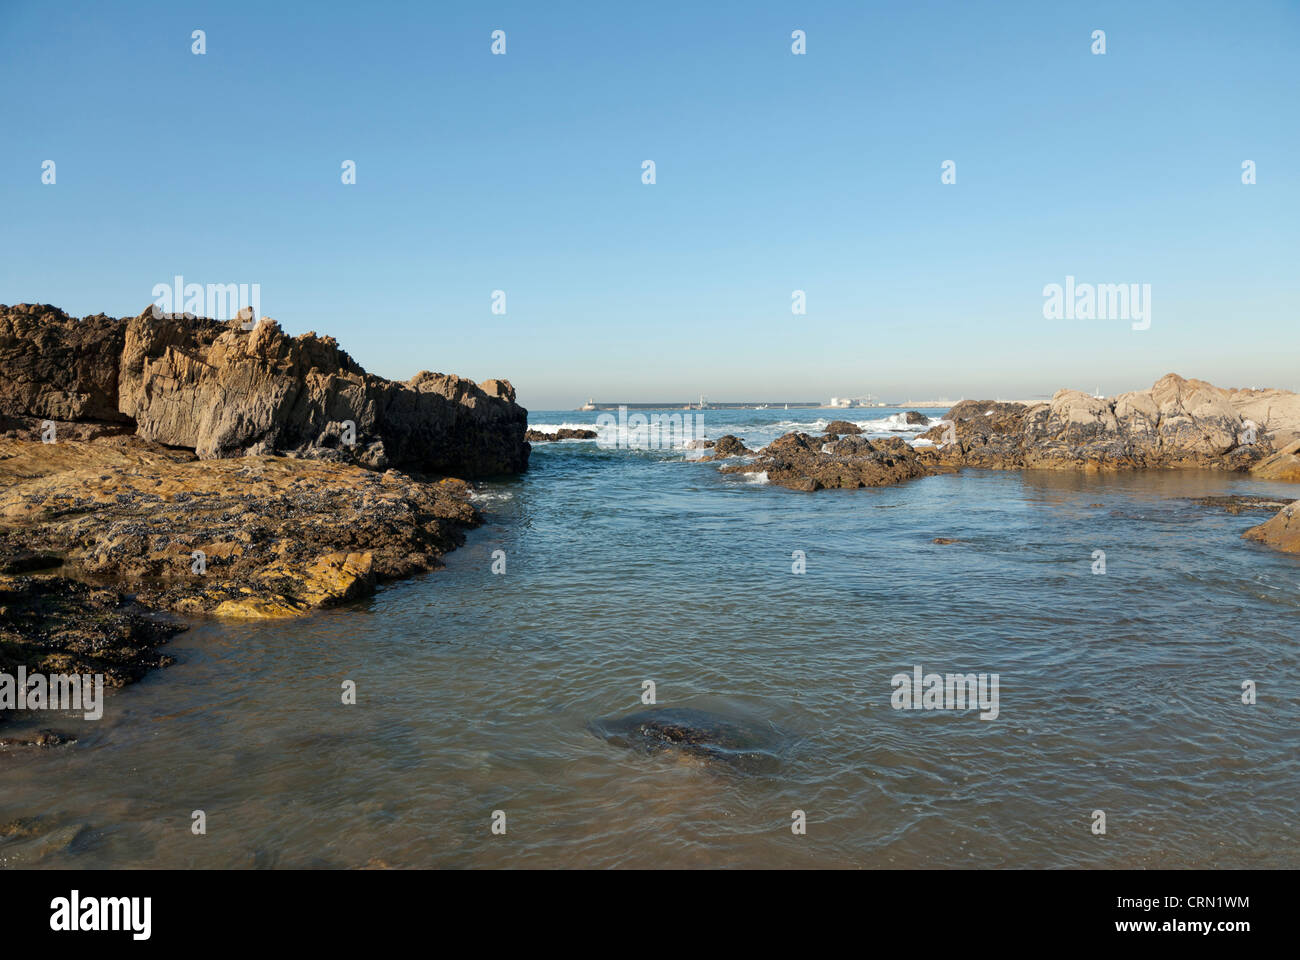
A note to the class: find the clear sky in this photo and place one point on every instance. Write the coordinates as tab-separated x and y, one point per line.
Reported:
774	172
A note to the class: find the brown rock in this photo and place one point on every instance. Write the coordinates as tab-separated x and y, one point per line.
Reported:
1283	465
843	427
1282	532
279	536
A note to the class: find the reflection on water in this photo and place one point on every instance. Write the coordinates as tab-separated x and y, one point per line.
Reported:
477	693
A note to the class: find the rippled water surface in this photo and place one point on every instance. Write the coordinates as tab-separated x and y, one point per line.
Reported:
478	692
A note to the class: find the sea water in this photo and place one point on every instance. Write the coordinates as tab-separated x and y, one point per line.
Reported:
476	691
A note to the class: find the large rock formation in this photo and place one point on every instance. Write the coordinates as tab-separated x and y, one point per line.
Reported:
193	514
224	391
55	367
1177	423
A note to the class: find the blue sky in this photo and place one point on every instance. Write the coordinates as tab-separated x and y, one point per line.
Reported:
775	172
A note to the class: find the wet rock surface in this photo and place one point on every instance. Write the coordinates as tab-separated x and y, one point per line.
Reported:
43	838
55	625
563	433
728	446
253	537
1240	504
43	739
800	461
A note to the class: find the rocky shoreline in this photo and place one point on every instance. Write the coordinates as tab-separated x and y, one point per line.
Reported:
160	466
157	468
1176	424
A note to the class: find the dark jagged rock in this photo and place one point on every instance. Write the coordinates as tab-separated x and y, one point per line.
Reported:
803	462
56	367
562	433
1177	423
55	625
915	418
20	560
729	446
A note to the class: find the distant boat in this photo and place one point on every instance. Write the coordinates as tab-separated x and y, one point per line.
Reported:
763	406
787	406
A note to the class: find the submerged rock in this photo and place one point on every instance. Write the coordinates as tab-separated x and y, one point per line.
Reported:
744	745
1238	504
43	738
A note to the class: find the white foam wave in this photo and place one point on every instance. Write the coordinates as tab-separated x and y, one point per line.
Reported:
556	427
491	496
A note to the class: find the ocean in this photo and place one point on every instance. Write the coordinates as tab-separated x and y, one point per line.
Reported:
480	694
